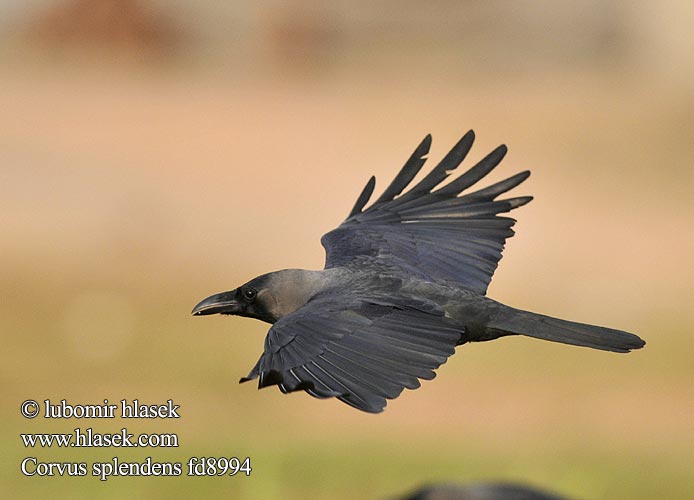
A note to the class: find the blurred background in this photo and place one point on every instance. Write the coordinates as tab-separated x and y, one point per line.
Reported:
154	152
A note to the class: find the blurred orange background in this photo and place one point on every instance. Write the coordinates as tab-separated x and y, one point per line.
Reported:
153	153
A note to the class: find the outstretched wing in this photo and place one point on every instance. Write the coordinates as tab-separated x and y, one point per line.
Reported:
432	232
362	351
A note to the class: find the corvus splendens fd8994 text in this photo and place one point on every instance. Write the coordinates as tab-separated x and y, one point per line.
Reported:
404	283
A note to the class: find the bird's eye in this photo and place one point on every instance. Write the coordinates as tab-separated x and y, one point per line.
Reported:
249	294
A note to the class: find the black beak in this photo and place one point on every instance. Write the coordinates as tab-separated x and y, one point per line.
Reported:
221	303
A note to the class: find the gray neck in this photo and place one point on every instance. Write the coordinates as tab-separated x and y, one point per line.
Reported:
292	288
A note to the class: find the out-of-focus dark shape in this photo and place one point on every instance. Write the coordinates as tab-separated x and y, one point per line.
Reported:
481	491
130	28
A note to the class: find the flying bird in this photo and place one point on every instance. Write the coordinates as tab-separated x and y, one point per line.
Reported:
404	283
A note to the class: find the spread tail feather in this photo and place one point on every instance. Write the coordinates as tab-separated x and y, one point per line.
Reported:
511	321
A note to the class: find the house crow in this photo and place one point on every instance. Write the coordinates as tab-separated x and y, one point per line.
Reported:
404	283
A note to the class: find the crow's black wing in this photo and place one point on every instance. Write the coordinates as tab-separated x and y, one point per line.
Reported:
438	234
361	350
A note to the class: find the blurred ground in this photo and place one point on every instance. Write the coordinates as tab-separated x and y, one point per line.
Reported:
139	177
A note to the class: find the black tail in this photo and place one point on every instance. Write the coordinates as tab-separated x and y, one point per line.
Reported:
511	321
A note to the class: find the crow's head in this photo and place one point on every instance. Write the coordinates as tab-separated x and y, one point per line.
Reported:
255	299
267	298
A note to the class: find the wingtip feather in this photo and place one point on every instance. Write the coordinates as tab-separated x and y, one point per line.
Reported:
407	172
475	173
364	197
